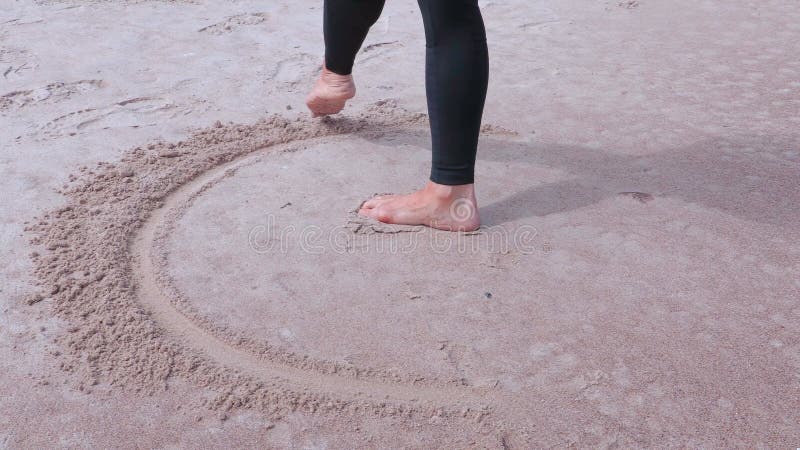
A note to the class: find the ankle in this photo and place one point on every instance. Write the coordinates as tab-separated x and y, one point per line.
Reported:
446	192
335	79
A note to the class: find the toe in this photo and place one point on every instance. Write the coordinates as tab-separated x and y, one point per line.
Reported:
372	203
329	106
378	200
312	102
365	212
382	214
319	106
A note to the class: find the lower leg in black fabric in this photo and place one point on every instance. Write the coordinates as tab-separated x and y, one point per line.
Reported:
346	23
456	75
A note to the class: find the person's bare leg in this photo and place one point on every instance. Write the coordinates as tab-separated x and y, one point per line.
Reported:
330	92
450	208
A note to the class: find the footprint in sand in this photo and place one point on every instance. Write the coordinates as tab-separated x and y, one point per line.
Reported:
132	113
52	93
233	22
295	71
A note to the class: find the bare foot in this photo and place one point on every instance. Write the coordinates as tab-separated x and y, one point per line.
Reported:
330	93
450	208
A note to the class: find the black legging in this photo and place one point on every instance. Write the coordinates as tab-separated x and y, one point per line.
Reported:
456	72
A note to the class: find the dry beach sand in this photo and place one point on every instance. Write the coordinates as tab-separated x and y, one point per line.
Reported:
182	266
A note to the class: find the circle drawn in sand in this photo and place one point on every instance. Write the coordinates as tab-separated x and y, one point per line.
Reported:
266	362
100	278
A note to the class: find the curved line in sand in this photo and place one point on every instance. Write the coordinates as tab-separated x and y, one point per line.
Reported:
194	336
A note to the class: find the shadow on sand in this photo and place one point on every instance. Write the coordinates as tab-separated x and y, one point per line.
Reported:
751	177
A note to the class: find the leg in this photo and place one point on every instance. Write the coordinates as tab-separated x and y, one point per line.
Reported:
346	24
456	77
456	74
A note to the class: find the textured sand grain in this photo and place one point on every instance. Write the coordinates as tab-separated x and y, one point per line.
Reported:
653	146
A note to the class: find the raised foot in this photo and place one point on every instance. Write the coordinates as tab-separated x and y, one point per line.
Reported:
449	208
330	93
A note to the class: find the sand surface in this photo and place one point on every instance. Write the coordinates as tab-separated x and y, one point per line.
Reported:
182	266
